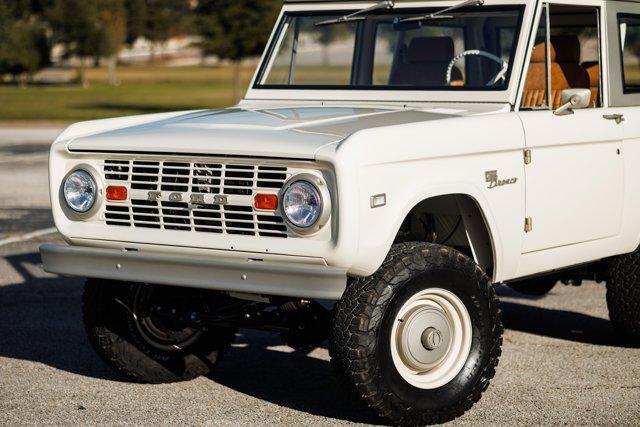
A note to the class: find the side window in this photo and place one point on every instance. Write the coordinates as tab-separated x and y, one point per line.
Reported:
630	46
572	60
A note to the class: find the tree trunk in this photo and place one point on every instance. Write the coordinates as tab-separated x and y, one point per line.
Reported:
22	78
237	80
325	55
82	75
111	66
152	53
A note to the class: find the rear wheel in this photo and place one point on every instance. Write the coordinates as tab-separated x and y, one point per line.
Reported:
420	339
134	329
623	295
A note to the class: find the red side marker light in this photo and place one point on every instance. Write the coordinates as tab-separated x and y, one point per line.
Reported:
116	193
266	202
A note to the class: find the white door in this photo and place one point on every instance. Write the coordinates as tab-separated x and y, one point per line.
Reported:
575	178
575	181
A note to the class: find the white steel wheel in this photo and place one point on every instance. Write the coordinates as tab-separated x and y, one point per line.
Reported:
431	338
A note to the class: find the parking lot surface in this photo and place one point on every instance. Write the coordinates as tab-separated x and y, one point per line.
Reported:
561	361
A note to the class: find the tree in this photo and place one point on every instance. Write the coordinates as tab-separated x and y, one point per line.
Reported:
24	48
112	33
136	11
329	34
74	23
165	18
235	30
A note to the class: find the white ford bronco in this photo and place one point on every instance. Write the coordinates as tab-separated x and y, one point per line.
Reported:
390	162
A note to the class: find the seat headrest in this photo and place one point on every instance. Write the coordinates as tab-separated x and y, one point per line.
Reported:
430	49
567	48
539	53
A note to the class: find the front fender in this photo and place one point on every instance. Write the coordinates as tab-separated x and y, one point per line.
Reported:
459	189
411	163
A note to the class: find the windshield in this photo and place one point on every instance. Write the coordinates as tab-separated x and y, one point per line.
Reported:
469	49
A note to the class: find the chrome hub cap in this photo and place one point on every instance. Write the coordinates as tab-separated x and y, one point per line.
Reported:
431	338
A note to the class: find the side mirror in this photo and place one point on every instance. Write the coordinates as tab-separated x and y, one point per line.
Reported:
573	99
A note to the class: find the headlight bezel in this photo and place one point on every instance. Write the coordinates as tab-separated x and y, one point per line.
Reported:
69	211
320	185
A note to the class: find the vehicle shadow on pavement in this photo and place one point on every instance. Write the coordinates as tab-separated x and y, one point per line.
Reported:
41	321
260	366
560	324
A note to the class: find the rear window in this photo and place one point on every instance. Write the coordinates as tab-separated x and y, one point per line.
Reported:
630	44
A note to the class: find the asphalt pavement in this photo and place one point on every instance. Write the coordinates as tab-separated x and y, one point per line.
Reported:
561	363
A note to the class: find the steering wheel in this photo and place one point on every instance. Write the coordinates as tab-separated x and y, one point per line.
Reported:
501	74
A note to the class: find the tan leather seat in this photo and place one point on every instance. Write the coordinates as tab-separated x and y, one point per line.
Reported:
593	69
424	63
536	84
566	72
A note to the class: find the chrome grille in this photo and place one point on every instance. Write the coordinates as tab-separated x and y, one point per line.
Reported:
237	183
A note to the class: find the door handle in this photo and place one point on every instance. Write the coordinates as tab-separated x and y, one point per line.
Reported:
619	118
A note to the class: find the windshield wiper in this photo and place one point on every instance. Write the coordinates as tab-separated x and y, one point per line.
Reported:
355	16
440	14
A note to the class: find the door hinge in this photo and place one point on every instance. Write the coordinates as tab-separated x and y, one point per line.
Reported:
527	156
528	225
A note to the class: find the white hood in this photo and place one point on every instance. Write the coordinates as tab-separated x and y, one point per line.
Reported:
276	132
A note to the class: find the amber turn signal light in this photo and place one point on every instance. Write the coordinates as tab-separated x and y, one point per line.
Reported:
266	202
116	193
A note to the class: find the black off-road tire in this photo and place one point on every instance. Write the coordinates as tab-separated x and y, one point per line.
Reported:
361	331
537	287
110	327
623	295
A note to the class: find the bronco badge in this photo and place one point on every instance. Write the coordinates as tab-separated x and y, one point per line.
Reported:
491	177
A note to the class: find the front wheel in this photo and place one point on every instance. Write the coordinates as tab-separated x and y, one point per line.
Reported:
419	340
135	330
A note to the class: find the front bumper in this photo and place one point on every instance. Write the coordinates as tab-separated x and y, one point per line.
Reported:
256	277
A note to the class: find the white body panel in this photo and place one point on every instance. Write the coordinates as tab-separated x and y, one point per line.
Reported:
573	185
581	188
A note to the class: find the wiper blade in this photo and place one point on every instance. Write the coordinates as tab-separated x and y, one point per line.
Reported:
441	13
355	16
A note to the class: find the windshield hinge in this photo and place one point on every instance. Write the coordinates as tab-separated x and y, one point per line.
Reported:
527	156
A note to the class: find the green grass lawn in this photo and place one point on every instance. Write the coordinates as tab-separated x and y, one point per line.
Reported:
142	90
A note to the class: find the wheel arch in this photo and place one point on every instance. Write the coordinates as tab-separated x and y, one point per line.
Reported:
476	230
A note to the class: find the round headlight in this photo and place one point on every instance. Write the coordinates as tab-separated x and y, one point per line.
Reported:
302	204
80	191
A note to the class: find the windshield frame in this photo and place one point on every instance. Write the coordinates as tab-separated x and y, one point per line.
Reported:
383	93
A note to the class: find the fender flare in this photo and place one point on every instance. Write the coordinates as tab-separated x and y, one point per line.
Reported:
465	190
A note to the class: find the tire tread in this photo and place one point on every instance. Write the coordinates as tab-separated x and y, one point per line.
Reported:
623	294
